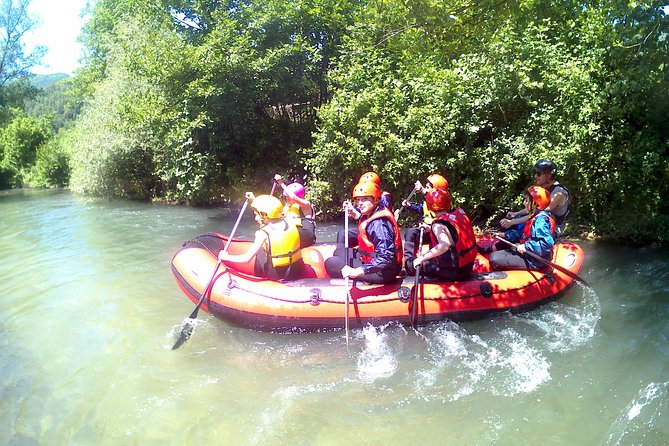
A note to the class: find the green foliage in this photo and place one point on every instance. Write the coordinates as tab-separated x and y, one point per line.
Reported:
56	98
196	101
19	142
52	167
567	83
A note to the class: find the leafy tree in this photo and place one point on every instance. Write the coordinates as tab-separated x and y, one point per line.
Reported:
15	21
19	142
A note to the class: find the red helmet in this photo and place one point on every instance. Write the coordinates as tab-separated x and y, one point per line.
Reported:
438	200
370	176
540	196
367	189
437	181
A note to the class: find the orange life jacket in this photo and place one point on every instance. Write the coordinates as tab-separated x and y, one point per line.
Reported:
366	247
462	232
527	230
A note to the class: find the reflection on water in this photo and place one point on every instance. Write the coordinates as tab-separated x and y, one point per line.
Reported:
90	311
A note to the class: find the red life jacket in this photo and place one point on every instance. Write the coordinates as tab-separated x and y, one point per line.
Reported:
527	230
465	250
366	247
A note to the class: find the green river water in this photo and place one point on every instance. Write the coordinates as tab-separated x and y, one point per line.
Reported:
89	311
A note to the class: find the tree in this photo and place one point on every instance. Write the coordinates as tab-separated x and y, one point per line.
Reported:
14	63
15	21
19	141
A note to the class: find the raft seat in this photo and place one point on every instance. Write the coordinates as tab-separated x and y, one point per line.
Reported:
314	264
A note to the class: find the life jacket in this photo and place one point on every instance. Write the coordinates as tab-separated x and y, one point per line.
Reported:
428	215
461	229
366	247
560	214
293	213
527	230
283	245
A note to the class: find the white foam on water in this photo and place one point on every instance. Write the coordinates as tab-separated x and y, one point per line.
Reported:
642	419
565	327
281	403
377	360
505	364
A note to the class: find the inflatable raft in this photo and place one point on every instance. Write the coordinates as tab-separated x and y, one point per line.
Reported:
317	303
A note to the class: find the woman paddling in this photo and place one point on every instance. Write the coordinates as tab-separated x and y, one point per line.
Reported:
276	246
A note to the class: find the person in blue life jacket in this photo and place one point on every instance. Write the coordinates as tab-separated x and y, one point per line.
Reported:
411	242
452	241
299	211
545	172
276	245
378	257
386	201
538	236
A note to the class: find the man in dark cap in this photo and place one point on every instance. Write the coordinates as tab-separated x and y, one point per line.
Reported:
544	175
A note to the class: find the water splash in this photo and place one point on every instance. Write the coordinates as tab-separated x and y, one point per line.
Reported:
567	327
377	360
641	421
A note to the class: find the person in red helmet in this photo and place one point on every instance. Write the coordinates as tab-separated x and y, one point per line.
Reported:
411	242
386	201
545	172
386	197
452	241
538	235
378	258
298	210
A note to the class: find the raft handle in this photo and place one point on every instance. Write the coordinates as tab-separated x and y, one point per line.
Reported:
315	296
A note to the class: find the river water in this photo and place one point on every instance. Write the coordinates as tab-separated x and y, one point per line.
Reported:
90	311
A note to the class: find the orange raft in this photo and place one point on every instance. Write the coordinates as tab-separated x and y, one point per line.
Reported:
317	303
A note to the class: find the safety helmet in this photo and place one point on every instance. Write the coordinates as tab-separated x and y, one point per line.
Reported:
295	188
542	166
370	176
268	205
438	181
438	200
367	189
540	196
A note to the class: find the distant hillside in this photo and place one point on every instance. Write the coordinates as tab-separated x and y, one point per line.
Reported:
44	80
53	98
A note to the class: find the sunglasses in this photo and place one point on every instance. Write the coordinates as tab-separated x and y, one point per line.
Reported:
538	174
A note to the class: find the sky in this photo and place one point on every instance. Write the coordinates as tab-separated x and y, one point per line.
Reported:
58	25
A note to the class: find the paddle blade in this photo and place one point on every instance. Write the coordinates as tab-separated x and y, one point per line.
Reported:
185	333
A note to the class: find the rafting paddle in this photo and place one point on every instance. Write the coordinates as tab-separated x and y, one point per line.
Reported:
416	283
409	197
187	328
546	262
348	293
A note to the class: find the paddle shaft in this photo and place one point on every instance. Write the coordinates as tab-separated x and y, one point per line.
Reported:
347	263
546	262
409	197
218	264
416	283
187	328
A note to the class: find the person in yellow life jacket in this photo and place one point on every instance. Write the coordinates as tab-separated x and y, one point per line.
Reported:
538	235
299	210
276	246
378	258
411	242
452	241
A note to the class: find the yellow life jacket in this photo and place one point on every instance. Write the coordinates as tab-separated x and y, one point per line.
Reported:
283	244
292	214
428	215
